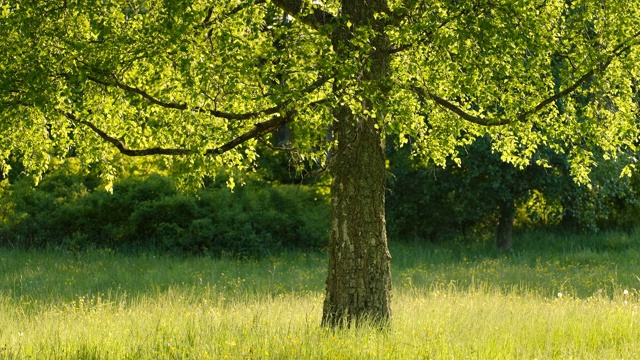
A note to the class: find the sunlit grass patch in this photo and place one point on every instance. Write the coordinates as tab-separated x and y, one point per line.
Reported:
448	302
473	323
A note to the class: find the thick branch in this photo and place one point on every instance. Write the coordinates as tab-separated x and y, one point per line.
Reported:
259	129
560	94
144	94
599	68
617	52
179	106
501	121
455	109
122	147
216	113
309	15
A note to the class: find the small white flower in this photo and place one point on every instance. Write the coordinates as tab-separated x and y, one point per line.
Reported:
625	292
559	294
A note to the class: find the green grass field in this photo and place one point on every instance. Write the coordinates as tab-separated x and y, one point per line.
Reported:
552	298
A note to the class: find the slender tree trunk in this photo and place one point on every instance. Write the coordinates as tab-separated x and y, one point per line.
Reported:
506	216
359	277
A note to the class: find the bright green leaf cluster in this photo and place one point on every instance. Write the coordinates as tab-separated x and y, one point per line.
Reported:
200	76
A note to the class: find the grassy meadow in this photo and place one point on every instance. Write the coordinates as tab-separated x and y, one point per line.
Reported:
553	297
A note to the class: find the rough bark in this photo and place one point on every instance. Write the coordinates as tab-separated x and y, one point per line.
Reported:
359	279
506	216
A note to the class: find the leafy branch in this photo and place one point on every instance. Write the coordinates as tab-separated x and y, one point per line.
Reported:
115	82
617	52
427	36
208	22
308	15
258	130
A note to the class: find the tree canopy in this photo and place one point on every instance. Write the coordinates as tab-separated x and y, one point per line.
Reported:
210	78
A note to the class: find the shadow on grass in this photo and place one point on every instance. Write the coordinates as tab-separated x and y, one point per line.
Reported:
29	277
541	263
544	263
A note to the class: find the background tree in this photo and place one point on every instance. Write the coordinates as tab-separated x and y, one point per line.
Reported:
606	202
199	82
479	194
483	195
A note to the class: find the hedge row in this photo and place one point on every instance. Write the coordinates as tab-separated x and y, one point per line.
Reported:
66	211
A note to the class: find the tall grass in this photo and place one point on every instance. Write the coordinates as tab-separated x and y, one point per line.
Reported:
554	297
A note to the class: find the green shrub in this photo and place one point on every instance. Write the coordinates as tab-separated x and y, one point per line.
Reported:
462	200
159	222
151	214
261	220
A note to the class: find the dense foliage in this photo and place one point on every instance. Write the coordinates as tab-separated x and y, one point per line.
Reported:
66	211
462	200
201	78
71	209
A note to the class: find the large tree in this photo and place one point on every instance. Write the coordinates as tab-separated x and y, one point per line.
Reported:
198	82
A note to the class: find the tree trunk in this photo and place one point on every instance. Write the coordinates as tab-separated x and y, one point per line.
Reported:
358	284
359	278
506	216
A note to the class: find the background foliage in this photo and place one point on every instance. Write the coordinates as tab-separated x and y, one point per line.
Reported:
70	211
268	211
460	201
